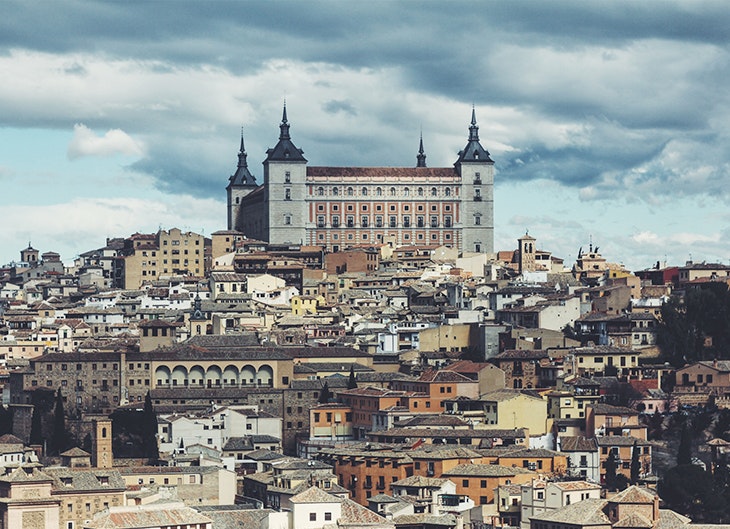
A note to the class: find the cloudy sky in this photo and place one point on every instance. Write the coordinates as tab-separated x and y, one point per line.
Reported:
607	121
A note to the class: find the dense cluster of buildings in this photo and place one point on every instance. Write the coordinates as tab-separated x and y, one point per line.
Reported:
349	352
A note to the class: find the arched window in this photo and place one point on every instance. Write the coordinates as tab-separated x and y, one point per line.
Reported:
364	191
103	433
335	191
434	191
420	191
406	192
379	191
392	191
350	191
447	191
320	191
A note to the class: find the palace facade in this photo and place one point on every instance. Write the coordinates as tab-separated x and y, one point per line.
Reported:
339	207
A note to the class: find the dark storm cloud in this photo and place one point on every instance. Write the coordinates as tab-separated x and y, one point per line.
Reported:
634	75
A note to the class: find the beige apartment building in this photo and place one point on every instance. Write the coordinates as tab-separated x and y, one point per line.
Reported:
148	256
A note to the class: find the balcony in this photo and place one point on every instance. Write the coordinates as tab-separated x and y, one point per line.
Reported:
477	198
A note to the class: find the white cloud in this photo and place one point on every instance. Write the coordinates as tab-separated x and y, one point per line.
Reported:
115	141
79	225
645	237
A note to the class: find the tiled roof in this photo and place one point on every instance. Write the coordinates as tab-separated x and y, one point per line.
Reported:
76	452
146	516
425	520
419	481
575	485
314	495
577	444
433	420
235	517
443	375
65	479
487	471
419	173
583	513
18	475
355	514
382	498
501	395
633	520
608	409
634	494
620	440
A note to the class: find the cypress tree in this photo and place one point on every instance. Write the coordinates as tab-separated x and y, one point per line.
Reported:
684	452
610	479
58	436
36	431
6	420
352	382
635	464
149	431
325	395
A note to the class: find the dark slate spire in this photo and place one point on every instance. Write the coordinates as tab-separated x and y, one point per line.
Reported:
197	314
285	150
474	128
421	157
284	127
242	176
474	152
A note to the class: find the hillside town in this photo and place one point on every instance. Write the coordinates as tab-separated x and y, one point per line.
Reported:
351	351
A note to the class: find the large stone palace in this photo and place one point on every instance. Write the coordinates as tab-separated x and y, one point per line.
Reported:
338	207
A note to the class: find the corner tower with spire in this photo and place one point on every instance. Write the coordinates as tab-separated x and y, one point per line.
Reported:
240	184
285	174
476	169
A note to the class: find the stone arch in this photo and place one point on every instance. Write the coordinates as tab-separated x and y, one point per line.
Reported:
265	376
162	375
213	376
196	376
230	375
179	376
248	374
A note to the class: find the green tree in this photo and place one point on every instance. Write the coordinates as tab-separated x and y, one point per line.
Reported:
684	452
691	491
352	381
610	476
635	464
149	431
325	395
36	430
656	426
59	435
696	327
6	420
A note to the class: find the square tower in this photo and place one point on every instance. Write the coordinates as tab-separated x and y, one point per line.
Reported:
101	444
